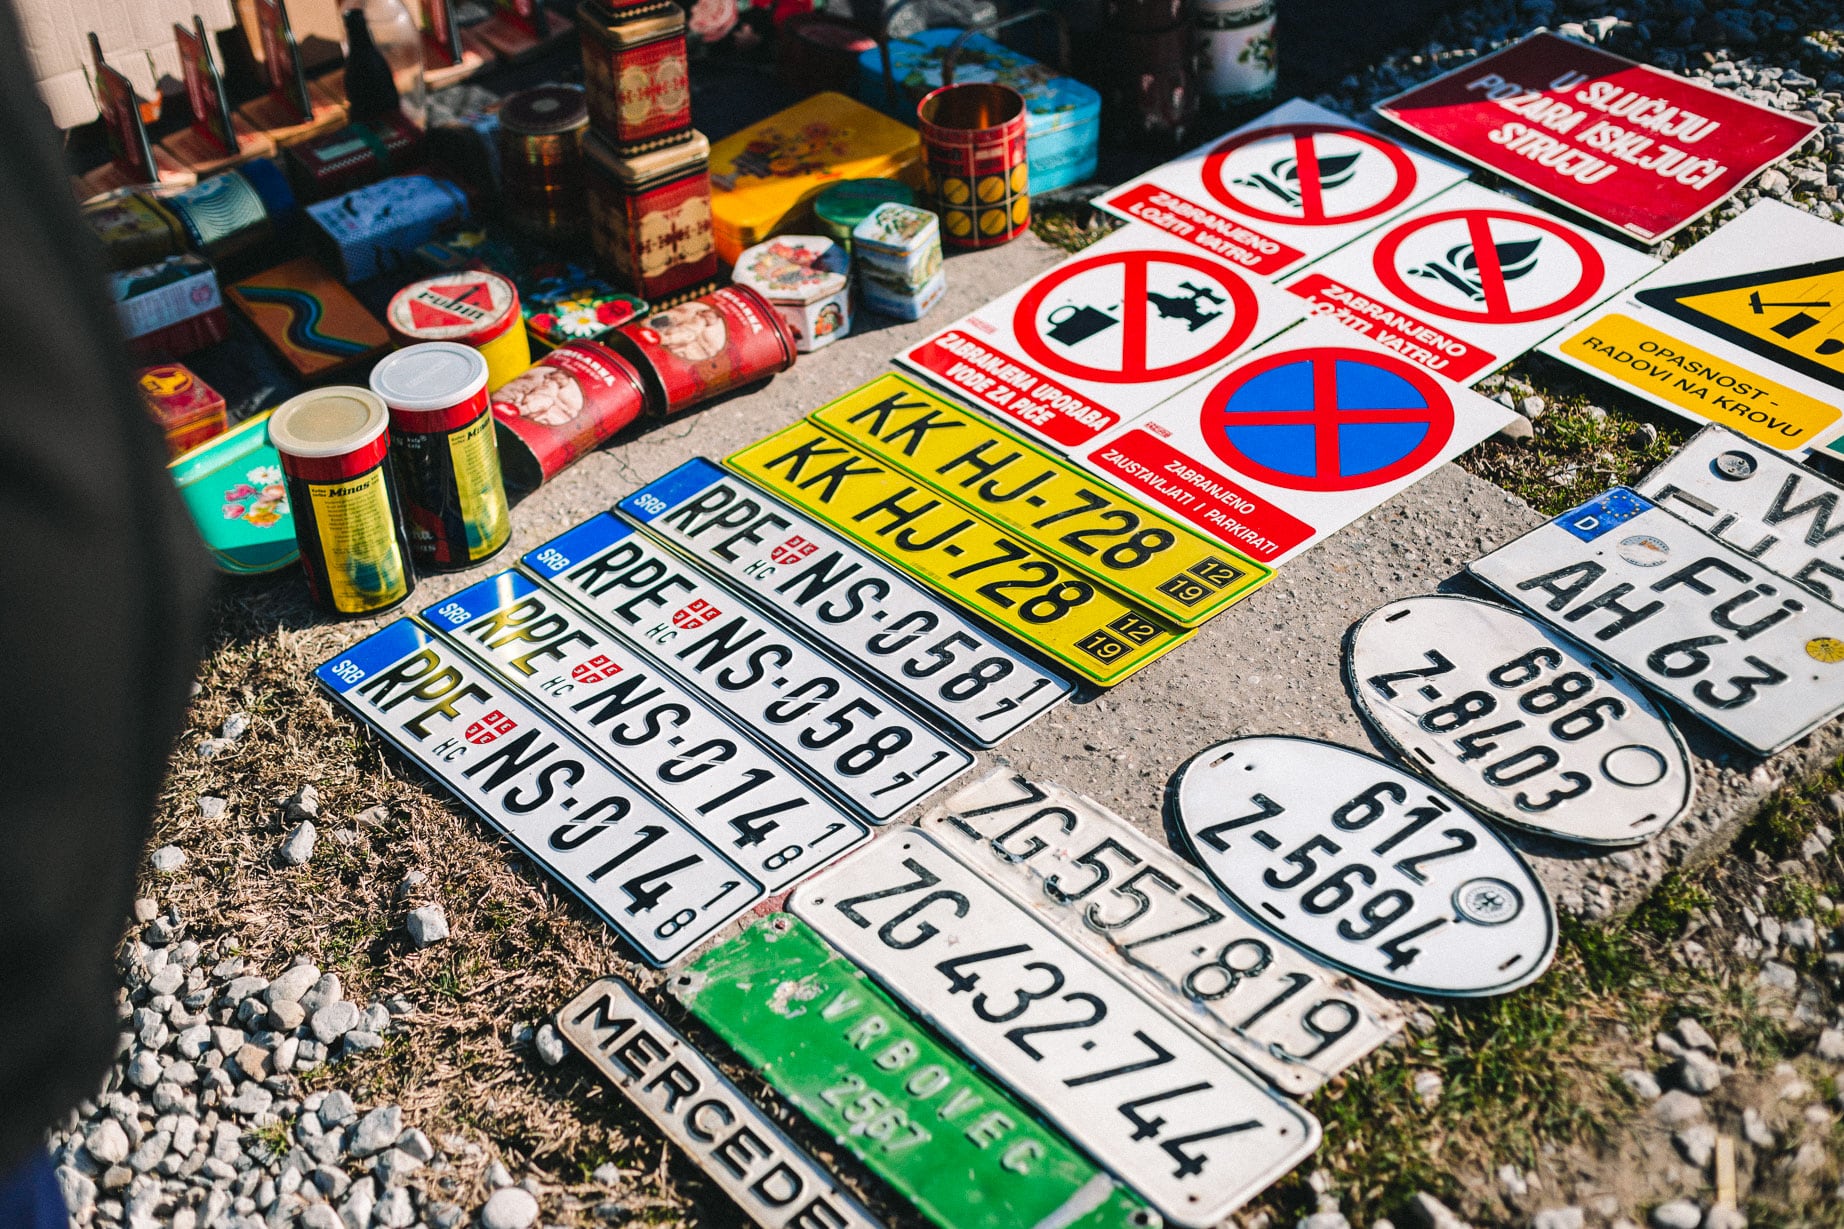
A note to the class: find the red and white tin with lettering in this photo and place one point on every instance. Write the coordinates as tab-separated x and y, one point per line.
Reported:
472	306
706	347
573	399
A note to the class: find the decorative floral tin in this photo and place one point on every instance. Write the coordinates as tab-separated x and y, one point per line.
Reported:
808	279
764	177
903	305
1236	51
635	74
650	218
841	207
134	229
898	256
232	485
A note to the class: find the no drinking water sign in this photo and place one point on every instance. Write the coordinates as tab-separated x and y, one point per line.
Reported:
1641	150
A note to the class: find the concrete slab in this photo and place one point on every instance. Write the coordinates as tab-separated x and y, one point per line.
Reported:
1269	665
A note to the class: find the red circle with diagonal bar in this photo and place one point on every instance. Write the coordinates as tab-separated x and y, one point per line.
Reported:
1312	199
1492	284
1337	394
1136	365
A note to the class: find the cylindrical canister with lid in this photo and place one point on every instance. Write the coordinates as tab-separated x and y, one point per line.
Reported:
562	407
845	204
334	444
706	347
1237	61
541	160
444	453
471	306
650	218
635	73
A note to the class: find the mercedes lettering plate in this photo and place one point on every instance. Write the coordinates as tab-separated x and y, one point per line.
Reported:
1046	502
656	881
1173	1117
1087	627
1762	502
695	1105
742	799
1517	721
1738	646
1364	866
954	1143
849	601
867	750
1151	917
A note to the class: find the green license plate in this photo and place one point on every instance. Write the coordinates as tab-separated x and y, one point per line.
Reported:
949	1140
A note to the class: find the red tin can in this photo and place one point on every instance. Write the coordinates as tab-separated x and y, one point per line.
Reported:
635	74
650	218
973	135
334	443
706	347
444	452
572	400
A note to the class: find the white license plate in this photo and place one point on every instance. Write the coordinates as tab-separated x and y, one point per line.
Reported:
1151	917
1517	721
764	815
1192	1130
1365	866
659	884
856	742
1684	614
696	1106
848	600
1762	502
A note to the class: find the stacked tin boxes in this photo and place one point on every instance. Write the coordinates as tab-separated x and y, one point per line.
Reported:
898	253
648	169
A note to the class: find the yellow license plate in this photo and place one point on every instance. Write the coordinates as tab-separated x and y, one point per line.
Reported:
1084	625
1044	502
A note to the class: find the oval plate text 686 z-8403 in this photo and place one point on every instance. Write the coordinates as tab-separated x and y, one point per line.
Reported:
1365	866
1519	723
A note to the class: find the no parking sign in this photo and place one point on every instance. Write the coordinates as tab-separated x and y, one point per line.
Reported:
1300	437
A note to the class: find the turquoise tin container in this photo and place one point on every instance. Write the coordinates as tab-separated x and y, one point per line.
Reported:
1062	115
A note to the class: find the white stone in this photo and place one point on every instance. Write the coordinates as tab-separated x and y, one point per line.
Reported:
299	846
1677	1214
212	807
1557	1218
290	986
144	1069
549	1045
167	859
1777	976
512	1208
394	1210
1329	1219
1697	1143
107	1142
1830	1045
1641	1084
427	925
377	1131
334	1021
1697	1072
1694	1035
1756	1131
1512	1182
1677	1108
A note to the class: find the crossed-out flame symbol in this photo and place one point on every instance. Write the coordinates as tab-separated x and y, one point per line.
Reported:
1460	267
1283	177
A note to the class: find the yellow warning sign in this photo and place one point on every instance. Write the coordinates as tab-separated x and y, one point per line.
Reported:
1793	316
1698	383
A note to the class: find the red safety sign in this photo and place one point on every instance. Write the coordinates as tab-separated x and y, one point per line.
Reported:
1492	265
1296	188
1641	150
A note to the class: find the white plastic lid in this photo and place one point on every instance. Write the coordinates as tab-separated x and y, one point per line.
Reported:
430	375
327	422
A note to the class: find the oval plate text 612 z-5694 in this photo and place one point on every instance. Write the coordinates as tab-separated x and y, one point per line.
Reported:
1518	722
1365	866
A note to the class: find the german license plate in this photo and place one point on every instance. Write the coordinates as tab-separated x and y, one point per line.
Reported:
954	1143
661	886
1518	722
1762	502
702	765
1152	918
1364	866
1186	1126
868	751
775	1183
848	600
1686	615
1044	502
1086	626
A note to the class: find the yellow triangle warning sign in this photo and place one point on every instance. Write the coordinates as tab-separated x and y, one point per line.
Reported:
1793	316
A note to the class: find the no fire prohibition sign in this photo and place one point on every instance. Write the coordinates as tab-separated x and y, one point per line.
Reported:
1103	337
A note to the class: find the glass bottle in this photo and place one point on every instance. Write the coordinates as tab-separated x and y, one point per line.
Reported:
384	61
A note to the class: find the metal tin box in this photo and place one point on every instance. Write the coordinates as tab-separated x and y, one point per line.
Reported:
763	177
836	210
374	229
232	486
634	71
188	410
1062	115
541	161
171	307
650	218
808	280
898	246
134	229
353	156
903	305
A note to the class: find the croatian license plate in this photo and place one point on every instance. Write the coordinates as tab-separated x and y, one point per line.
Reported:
1518	722
1086	626
775	1183
661	886
1686	615
702	765
1044	502
1152	918
1762	502
848	600
954	1143
868	751
1364	866
1180	1122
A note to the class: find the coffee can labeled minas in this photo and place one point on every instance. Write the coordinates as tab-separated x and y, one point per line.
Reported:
444	453
334	444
